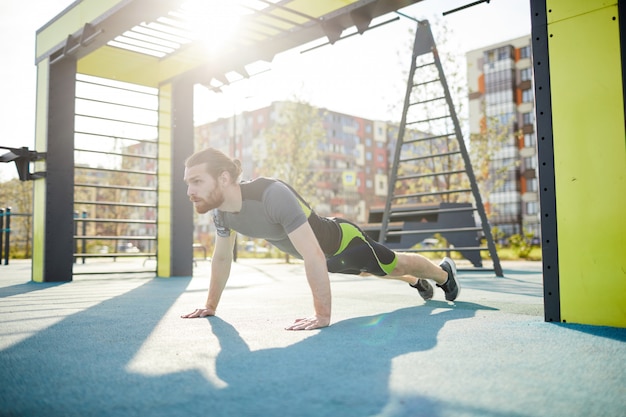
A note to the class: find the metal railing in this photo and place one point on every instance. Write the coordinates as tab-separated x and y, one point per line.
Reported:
5	234
6	230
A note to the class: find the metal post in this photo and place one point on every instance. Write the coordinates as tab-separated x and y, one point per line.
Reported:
1	231
84	233
7	236
75	234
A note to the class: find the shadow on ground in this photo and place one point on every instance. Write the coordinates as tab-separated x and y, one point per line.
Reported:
80	366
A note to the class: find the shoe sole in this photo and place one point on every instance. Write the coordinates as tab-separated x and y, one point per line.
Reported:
430	294
453	267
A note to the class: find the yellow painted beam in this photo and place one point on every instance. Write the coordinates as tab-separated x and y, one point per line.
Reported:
39	186
121	65
164	194
590	159
71	20
317	8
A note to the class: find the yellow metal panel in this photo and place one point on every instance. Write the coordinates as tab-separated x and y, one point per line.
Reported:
560	10
164	198
318	8
39	186
590	161
70	21
122	65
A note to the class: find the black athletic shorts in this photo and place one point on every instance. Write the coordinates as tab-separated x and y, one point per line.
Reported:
359	253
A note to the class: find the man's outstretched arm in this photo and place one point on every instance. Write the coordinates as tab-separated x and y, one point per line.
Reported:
220	271
306	244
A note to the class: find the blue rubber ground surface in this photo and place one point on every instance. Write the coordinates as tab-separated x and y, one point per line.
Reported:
114	345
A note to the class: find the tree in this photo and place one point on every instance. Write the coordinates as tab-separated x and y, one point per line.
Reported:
18	196
292	148
486	148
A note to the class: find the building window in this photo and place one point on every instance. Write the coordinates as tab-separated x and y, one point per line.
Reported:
532	207
526	74
503	53
528	118
529	140
524	52
531	185
527	95
530	162
507	209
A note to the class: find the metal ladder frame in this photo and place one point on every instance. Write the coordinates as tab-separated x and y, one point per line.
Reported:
424	43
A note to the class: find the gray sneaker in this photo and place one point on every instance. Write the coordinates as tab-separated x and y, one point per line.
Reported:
424	288
451	287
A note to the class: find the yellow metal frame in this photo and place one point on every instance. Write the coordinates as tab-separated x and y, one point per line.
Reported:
71	20
82	33
590	159
164	196
39	187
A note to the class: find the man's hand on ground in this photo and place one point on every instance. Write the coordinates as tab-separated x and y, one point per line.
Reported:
310	323
199	312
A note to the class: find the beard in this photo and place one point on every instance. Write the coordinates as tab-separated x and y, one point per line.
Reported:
212	201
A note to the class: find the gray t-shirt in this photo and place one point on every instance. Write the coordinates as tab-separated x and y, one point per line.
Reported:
271	210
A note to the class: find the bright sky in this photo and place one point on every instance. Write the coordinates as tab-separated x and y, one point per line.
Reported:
361	75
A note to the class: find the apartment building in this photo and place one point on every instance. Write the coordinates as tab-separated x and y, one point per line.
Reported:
500	84
356	156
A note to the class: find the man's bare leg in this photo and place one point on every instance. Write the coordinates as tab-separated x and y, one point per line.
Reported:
412	266
414	269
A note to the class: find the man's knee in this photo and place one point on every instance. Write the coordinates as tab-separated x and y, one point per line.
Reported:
402	266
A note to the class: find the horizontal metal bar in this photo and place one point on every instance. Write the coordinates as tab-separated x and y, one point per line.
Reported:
108	119
102	272
3	214
115	255
427	101
115	237
124	221
462	190
432	119
433	231
425	212
428	64
426	82
421	158
125	155
116	187
82	132
464	7
113	203
459	249
113	103
125	171
154	95
406	142
431	174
